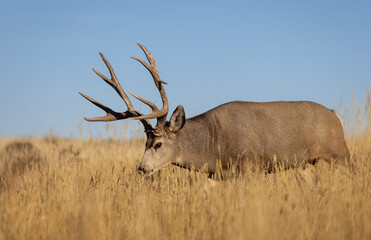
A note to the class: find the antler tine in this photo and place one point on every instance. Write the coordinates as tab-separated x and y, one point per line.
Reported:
114	83
113	116
147	53
149	103
152	68
110	114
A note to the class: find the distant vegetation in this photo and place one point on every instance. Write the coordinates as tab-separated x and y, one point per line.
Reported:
55	188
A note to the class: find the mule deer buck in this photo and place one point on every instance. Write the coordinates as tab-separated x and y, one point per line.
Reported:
289	133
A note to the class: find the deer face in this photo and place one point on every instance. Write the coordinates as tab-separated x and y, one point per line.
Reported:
159	152
161	146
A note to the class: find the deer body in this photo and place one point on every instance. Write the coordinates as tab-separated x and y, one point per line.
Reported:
236	132
296	132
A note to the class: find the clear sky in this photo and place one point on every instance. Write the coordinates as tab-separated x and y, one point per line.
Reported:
209	52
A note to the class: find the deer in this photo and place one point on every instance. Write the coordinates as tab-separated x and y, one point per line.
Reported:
288	133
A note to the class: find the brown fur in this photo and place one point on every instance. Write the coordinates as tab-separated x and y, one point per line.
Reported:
246	133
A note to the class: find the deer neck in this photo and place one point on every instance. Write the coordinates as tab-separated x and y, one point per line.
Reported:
193	151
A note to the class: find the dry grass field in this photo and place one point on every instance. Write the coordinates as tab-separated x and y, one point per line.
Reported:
55	188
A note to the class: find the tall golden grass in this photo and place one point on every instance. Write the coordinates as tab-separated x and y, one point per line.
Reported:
90	189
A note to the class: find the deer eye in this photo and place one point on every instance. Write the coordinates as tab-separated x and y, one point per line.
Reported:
158	145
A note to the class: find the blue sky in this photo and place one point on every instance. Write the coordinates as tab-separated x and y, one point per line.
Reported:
209	52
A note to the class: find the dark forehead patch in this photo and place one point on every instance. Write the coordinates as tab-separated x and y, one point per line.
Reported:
149	142
150	139
152	135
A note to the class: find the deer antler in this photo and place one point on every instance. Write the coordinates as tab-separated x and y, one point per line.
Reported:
131	112
152	68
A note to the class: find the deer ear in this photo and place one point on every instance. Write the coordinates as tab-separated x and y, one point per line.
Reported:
177	120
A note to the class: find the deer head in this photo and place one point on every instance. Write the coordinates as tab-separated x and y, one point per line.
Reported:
159	150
